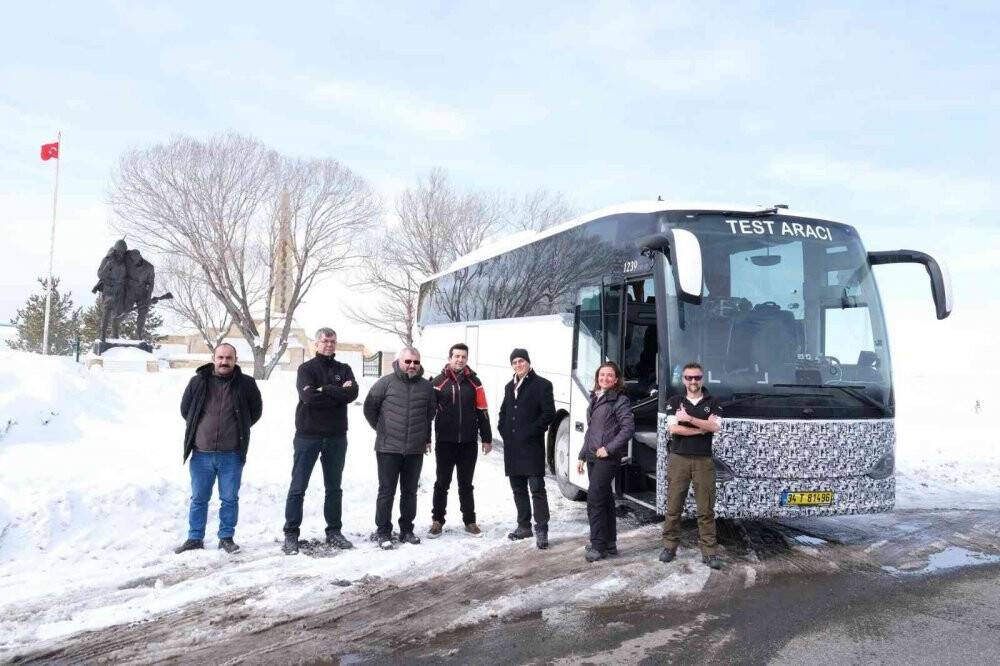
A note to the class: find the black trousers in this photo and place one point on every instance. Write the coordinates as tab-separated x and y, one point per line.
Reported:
396	468
601	503
331	452
450	455
520	486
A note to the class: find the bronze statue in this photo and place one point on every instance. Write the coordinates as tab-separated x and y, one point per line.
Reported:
125	281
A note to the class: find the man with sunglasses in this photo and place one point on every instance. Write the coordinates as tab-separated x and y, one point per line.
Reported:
692	419
400	407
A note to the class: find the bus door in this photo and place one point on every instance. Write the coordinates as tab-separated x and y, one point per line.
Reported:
588	354
639	363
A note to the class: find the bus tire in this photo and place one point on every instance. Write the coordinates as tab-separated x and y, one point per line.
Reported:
561	459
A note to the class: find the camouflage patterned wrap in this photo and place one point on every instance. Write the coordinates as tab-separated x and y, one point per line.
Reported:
769	457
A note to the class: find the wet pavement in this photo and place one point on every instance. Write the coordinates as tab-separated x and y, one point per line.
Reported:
906	587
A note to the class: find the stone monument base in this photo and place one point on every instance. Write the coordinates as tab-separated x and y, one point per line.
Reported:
101	347
123	356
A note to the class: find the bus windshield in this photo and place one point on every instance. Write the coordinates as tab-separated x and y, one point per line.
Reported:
790	323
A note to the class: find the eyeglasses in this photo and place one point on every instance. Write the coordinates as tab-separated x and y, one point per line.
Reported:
411	362
693	378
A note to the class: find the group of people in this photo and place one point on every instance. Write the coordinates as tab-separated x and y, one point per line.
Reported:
220	404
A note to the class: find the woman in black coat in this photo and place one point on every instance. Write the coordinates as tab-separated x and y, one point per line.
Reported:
610	426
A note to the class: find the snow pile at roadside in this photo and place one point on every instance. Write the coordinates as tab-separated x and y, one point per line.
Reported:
947	445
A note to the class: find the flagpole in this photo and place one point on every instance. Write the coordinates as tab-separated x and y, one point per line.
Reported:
52	247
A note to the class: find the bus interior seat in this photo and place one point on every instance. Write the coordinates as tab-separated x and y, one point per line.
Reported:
766	339
720	314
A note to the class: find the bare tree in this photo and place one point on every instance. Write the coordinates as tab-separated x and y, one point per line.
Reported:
194	301
259	227
436	224
539	210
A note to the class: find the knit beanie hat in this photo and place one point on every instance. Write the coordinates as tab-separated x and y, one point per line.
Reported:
520	353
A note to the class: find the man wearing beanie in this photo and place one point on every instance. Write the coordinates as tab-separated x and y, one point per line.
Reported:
525	416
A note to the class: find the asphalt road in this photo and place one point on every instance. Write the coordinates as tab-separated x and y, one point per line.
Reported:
908	588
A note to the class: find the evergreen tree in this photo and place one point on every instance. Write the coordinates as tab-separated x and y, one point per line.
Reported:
90	322
64	321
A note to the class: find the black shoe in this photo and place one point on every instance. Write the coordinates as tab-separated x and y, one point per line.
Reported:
591	554
338	540
190	544
521	533
542	537
291	545
409	537
668	554
229	545
713	561
612	549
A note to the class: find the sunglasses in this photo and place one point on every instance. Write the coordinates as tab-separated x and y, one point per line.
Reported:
410	362
693	378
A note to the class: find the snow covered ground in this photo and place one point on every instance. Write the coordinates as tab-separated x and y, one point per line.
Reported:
93	498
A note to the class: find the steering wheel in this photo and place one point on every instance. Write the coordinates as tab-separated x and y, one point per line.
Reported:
831	366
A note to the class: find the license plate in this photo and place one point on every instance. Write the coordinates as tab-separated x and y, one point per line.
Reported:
807	498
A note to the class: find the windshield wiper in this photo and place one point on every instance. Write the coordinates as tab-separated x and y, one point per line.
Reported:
739	398
856	392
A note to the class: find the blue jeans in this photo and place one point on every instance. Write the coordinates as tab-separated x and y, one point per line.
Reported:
205	467
330	451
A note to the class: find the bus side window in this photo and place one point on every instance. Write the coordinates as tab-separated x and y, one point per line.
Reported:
589	336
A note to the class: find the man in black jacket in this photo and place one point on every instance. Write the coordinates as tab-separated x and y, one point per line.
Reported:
219	405
326	387
461	416
525	416
400	407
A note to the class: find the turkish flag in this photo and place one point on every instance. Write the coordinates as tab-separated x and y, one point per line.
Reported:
50	151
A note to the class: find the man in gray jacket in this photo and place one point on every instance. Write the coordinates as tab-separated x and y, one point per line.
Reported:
400	407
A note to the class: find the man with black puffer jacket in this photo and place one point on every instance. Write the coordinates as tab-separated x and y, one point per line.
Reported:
326	387
461	420
400	408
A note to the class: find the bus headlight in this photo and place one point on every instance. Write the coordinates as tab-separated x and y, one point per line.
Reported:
884	468
722	471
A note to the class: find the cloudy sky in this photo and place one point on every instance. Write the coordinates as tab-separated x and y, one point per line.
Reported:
882	115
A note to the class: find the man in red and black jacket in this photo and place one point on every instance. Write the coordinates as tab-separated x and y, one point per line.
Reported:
461	420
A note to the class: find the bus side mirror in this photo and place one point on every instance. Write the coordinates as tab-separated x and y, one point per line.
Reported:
685	252
940	280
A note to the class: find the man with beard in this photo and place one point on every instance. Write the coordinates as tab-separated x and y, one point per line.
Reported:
400	408
219	405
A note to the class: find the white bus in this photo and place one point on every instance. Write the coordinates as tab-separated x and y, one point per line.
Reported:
781	309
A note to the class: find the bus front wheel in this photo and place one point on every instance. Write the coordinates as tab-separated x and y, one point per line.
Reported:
562	462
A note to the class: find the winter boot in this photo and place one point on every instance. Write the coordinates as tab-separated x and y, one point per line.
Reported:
473	529
410	538
612	548
384	541
190	544
520	533
338	540
291	545
591	554
668	554
541	537
435	531
229	545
